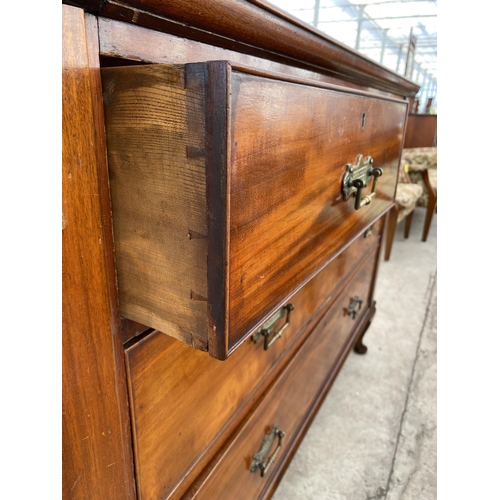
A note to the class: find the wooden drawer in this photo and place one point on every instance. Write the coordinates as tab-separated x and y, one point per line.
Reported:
179	396
289	402
227	190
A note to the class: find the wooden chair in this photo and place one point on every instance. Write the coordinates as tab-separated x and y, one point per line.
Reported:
422	170
407	195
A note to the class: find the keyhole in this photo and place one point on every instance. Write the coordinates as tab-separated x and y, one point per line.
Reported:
363	116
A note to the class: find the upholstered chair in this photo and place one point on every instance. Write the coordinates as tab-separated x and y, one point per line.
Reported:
422	170
407	195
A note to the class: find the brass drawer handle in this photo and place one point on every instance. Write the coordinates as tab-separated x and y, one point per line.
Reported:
267	330
258	460
352	310
357	177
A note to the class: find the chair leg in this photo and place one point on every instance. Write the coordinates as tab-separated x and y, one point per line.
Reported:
431	205
391	228
408	220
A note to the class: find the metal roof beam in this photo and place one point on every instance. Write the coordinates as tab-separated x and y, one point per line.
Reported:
337	6
379	19
358	14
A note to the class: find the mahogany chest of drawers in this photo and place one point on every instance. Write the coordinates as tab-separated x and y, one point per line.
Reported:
224	199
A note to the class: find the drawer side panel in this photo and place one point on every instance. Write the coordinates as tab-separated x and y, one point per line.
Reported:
155	129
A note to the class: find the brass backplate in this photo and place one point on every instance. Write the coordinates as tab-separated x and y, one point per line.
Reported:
360	170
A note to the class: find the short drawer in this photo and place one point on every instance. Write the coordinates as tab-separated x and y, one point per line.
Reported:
240	472
228	190
187	399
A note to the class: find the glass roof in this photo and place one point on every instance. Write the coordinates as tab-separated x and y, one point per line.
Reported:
381	30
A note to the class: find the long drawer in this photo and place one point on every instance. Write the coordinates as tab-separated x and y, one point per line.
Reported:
189	400
247	462
231	189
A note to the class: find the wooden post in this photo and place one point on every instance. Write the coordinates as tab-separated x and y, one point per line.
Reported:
97	456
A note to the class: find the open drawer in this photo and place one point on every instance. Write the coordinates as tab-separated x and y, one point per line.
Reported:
231	189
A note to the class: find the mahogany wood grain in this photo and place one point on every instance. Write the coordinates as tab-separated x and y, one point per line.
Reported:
187	407
280	467
217	87
167	380
408	222
97	458
392	222
290	147
421	131
123	43
376	267
258	28
431	204
273	213
289	400
88	5
359	347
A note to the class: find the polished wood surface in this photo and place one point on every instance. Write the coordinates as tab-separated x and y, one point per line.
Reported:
87	5
431	204
189	412
289	400
280	467
124	43
258	28
392	222
167	379
421	131
97	458
274	167
290	147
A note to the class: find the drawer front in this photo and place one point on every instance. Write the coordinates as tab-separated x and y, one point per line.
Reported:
180	396
290	145
288	402
227	191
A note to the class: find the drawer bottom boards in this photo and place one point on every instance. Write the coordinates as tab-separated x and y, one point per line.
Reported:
247	467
